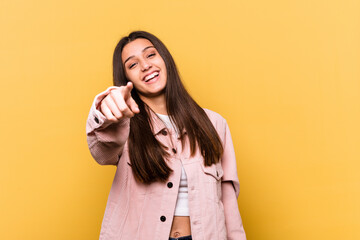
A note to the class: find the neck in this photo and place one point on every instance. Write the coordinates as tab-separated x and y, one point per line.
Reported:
157	104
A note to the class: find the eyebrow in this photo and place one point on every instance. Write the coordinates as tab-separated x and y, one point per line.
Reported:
134	56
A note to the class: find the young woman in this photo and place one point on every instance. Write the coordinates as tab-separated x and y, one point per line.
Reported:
176	174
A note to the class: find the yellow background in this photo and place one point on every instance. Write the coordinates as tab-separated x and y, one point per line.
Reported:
285	74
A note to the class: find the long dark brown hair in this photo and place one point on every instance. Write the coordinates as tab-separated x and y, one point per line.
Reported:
147	154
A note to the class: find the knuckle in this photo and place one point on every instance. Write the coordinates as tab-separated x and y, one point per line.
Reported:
113	119
118	115
115	92
107	100
123	109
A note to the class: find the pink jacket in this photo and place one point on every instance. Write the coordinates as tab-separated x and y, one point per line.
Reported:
138	211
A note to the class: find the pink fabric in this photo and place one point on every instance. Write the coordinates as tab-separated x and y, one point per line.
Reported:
138	211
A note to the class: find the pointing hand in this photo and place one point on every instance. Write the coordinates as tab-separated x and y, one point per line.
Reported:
119	104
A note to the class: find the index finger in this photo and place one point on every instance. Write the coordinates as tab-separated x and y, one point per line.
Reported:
126	91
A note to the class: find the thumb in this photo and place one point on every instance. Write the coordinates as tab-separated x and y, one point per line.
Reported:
132	105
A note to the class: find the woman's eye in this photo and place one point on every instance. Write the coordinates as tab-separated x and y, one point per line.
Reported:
151	55
132	65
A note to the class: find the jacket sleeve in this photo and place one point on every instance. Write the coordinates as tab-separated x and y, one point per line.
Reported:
230	189
106	140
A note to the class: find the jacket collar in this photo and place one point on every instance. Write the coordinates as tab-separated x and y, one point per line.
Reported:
157	124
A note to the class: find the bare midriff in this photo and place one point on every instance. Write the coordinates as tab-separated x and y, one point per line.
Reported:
180	227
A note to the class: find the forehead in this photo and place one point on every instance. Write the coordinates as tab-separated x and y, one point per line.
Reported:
135	48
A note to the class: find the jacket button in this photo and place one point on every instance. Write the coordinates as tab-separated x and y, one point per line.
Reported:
217	173
170	184
163	218
96	120
174	150
164	132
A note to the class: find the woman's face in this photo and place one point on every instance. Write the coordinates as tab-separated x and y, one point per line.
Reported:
144	67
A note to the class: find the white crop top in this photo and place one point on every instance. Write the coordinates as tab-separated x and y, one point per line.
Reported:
182	204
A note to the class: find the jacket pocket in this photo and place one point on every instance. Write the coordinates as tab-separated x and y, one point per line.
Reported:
211	181
214	172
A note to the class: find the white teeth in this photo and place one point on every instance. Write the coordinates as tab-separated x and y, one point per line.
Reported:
151	76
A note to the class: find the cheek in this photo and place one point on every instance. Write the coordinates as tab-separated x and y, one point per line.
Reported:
163	66
165	71
126	71
130	75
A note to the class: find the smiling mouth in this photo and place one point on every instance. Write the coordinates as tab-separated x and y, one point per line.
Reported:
151	76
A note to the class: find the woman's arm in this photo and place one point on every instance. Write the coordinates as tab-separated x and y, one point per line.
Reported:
107	135
233	221
230	190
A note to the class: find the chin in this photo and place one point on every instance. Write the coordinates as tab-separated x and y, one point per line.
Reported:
153	94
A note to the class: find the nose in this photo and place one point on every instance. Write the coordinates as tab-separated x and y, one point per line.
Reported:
145	65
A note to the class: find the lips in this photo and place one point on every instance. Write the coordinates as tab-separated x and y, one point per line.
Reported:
150	76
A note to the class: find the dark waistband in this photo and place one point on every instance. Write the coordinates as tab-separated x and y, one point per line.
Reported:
182	238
